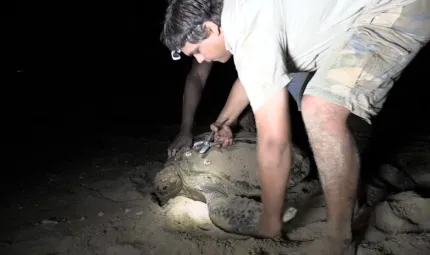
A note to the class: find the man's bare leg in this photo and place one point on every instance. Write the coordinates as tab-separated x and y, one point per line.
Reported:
337	159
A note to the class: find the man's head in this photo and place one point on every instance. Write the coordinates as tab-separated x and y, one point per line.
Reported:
194	27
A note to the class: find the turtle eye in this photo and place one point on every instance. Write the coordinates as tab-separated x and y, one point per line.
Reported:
164	187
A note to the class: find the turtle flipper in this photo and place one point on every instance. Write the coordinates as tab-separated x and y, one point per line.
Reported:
239	215
234	214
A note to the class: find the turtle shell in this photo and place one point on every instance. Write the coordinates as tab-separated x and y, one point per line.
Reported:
232	170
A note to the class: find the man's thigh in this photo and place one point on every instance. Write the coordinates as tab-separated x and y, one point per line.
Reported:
360	68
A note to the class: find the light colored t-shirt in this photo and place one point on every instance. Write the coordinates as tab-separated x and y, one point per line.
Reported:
261	33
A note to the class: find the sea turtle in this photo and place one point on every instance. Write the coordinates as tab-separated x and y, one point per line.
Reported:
226	179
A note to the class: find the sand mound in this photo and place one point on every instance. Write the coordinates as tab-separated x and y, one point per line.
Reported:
399	225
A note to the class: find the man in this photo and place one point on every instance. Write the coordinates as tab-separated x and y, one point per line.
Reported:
358	48
194	85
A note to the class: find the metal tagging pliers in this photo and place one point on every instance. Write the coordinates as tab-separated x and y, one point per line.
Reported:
204	145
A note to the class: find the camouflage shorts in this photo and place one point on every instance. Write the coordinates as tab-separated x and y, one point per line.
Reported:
360	68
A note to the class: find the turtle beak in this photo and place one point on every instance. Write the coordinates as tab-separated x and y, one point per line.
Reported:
162	201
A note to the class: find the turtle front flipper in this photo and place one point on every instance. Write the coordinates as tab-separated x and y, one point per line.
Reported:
238	215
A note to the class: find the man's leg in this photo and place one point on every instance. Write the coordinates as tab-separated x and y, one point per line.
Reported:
337	159
355	78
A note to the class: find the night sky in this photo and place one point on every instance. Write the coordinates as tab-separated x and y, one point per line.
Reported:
69	79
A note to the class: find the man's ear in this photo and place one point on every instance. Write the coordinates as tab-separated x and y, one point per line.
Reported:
211	28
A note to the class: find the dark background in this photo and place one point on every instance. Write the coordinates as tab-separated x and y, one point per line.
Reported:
114	66
70	80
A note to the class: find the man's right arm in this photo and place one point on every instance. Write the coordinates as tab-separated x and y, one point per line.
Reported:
194	85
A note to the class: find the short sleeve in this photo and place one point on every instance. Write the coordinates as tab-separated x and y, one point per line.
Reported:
259	50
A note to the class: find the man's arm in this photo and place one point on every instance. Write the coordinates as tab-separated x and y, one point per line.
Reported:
274	153
236	103
194	85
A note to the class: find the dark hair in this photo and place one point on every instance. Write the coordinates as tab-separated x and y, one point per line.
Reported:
183	21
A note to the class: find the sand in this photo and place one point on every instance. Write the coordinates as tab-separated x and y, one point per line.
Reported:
105	206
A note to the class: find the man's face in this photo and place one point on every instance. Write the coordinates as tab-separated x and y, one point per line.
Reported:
211	48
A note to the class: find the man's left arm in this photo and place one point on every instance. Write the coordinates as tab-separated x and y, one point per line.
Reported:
236	103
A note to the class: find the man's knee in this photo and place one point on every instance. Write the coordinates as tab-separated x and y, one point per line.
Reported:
322	115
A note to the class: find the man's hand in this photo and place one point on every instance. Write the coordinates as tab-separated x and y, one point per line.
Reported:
183	141
269	226
222	133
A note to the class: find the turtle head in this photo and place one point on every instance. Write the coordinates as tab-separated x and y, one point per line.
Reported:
167	184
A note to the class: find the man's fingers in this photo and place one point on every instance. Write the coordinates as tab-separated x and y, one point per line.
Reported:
170	149
227	142
171	152
214	128
217	138
175	144
178	145
173	148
